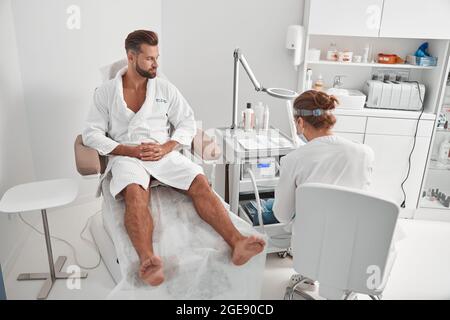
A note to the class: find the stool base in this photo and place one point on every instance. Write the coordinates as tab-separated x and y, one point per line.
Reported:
48	284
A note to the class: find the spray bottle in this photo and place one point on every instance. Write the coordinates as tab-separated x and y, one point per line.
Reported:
249	117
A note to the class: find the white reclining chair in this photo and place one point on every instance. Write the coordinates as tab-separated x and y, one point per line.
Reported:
342	238
214	276
90	163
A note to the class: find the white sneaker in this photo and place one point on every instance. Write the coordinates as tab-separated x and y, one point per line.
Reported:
307	285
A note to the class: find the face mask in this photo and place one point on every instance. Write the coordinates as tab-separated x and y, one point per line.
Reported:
302	138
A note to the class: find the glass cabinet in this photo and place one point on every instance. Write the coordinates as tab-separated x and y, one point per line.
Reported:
435	197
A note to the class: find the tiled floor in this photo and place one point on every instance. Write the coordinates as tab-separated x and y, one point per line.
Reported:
421	271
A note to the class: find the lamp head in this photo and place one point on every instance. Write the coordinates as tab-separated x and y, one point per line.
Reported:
281	93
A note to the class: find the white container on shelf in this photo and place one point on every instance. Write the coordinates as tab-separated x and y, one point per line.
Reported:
444	152
332	53
365	58
357	59
345	56
309	81
313	54
266	118
259	115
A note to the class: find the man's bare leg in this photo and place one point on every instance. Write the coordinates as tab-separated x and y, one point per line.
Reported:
210	209
139	226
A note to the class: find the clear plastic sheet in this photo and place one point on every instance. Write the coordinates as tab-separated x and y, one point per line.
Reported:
197	261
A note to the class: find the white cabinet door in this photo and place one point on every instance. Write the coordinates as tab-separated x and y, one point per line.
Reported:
399	127
350	124
345	17
357	137
391	166
416	19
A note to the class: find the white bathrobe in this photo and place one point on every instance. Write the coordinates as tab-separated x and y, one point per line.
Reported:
110	123
331	160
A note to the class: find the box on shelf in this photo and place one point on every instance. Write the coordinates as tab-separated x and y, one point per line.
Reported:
421	61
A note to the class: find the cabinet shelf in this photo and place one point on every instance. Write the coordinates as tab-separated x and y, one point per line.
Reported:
264	184
425	203
436	165
370	65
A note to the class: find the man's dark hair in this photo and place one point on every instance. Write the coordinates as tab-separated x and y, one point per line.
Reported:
136	38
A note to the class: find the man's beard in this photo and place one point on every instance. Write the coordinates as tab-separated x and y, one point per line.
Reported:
144	73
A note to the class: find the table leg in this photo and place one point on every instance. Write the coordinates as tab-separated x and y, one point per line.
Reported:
49	245
45	290
55	268
60	263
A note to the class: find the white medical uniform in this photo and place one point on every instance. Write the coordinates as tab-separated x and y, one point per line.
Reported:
329	159
164	106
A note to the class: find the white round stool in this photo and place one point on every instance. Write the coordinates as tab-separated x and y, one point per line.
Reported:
42	195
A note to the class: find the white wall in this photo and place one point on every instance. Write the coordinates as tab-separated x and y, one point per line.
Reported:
48	73
60	69
199	39
16	163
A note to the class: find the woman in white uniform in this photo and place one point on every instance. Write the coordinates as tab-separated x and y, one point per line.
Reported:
324	158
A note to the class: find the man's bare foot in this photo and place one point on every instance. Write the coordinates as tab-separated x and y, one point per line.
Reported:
246	248
151	271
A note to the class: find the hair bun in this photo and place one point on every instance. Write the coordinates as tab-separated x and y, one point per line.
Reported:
331	102
311	100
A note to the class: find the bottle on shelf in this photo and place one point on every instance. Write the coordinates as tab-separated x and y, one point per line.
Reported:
259	115
249	117
332	53
318	85
309	81
365	58
266	118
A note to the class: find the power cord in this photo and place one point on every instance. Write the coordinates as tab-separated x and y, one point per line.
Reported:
403	205
70	245
282	238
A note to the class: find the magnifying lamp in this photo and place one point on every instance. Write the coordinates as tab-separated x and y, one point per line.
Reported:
279	93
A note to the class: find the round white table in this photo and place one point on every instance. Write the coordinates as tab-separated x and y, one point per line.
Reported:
42	195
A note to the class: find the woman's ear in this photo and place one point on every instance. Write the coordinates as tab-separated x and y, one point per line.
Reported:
300	125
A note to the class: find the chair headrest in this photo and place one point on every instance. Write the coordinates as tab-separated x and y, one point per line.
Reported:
108	72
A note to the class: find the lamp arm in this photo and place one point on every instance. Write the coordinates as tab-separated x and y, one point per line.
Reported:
235	87
250	74
239	57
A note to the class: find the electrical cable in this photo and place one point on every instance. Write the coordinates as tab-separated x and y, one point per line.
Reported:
273	238
70	245
403	205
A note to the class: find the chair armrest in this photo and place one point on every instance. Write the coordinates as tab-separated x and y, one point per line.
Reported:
88	160
205	147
